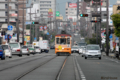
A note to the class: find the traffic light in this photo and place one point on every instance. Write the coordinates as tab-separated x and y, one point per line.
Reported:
83	15
94	21
35	22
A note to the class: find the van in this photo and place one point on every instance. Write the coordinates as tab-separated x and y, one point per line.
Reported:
44	46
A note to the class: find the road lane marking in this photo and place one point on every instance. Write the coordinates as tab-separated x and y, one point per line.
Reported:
112	60
80	70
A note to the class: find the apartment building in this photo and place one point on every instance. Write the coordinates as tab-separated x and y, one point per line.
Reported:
13	11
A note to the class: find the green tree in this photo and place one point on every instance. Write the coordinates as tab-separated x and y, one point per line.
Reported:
116	23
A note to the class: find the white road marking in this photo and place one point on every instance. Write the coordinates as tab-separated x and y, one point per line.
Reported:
80	70
112	60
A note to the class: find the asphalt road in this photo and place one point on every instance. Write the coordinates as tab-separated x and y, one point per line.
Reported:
49	65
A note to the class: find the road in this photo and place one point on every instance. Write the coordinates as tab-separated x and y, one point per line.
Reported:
48	66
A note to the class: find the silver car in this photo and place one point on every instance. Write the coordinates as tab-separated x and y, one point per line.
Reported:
75	49
93	51
16	49
25	50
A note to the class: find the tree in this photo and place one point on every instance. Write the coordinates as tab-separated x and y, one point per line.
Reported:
116	22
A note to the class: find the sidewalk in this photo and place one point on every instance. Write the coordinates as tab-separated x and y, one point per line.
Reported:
112	55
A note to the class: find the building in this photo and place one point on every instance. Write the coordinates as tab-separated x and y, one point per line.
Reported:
13	11
71	11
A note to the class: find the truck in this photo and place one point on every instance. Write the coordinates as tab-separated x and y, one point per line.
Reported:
44	46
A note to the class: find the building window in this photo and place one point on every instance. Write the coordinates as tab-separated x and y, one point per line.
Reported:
6	13
16	11
6	6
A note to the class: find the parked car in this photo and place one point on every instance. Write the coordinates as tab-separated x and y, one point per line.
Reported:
16	48
93	51
2	53
25	50
7	50
75	49
37	49
31	49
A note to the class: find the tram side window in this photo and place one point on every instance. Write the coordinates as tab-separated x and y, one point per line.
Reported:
62	41
68	40
57	40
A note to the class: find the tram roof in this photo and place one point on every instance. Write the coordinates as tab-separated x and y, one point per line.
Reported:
62	35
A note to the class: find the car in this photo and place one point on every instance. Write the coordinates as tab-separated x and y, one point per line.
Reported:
31	49
25	50
2	53
75	49
92	51
75	34
16	48
52	47
83	51
37	49
7	50
80	50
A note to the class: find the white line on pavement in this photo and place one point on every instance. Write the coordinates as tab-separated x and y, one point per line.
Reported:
80	70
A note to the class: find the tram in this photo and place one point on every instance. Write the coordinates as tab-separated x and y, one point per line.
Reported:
63	44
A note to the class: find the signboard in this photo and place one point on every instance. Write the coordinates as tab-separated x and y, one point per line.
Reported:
40	38
14	15
50	16
110	20
72	5
28	38
74	23
10	27
57	13
50	13
27	23
50	10
9	32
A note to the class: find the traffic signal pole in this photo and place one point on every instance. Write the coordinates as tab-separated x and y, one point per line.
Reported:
100	23
107	33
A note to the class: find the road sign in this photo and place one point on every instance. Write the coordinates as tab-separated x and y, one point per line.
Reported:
41	28
57	13
10	37
45	27
35	38
10	27
47	33
110	36
50	10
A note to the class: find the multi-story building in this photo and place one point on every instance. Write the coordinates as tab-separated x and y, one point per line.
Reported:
71	11
13	11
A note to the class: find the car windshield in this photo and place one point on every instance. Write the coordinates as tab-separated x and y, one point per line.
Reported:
24	47
14	45
5	46
37	47
74	47
93	48
81	44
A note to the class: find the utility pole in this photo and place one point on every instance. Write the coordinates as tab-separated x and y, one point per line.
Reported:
18	22
8	13
23	24
107	32
100	22
77	8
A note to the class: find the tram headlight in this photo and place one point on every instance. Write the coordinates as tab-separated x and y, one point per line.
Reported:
62	48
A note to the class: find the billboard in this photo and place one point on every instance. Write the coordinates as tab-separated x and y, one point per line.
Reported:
72	5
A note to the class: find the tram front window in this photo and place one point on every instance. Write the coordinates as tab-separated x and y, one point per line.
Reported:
62	41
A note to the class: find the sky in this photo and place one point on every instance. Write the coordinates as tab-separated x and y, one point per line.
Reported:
62	3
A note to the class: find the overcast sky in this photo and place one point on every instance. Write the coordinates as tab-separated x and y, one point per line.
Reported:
61	5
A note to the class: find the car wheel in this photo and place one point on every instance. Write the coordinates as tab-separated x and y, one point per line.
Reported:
28	54
10	56
82	55
3	57
47	51
20	55
100	58
85	57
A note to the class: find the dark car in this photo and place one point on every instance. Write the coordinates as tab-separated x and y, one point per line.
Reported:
2	54
52	47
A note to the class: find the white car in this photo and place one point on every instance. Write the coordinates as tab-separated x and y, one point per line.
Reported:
75	49
92	51
25	50
80	50
37	49
16	49
7	50
83	51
